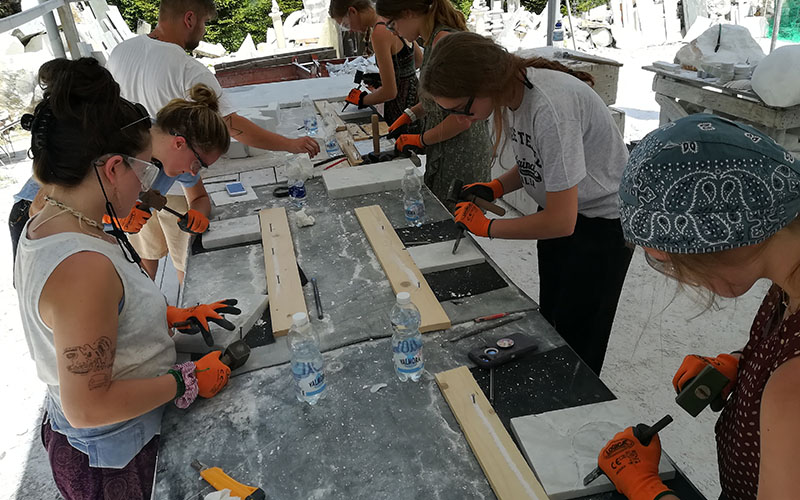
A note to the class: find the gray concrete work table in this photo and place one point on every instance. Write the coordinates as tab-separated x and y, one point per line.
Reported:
401	441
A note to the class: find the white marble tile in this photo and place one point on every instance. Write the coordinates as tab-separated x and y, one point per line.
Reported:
236	150
365	179
260	177
562	446
223	198
226	232
439	256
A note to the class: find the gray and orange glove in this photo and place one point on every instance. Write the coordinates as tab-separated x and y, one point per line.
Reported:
489	191
356	96
193	222
693	364
469	216
212	374
192	320
409	142
399	125
135	220
633	467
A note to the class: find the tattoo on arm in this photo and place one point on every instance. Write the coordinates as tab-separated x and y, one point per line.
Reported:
99	381
85	359
235	132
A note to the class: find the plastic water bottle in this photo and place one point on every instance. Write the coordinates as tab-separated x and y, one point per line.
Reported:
406	339
308	371
297	192
309	115
558	35
412	197
331	146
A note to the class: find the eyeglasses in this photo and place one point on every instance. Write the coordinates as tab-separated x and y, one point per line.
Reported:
198	163
463	112
145	171
344	23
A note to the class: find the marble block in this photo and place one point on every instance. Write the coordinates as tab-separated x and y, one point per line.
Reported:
260	177
365	179
562	446
223	198
236	150
439	256
270	110
252	307
227	232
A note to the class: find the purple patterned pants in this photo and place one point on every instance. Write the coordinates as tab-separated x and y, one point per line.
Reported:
77	481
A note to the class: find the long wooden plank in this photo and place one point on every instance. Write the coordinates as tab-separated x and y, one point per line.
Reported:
383	128
283	280
326	110
357	132
349	148
504	466
399	267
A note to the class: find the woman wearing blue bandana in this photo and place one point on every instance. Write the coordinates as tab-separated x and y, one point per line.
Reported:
714	204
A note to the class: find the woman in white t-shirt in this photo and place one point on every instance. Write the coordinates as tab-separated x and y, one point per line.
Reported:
569	158
97	327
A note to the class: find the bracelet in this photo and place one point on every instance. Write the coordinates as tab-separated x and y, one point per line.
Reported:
179	382
187	370
410	114
422	139
489	229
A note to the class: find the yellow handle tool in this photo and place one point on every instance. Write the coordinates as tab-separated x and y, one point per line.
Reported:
219	480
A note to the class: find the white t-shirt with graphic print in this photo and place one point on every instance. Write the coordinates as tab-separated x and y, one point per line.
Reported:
562	136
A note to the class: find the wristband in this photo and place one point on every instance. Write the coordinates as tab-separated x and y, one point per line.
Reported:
187	370
178	380
410	114
422	139
489	229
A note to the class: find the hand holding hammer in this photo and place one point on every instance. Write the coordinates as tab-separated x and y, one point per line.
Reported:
192	222
478	194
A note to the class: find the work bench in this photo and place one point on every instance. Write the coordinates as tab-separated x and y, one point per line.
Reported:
372	436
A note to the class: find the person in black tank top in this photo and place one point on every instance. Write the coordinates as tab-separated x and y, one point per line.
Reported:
397	59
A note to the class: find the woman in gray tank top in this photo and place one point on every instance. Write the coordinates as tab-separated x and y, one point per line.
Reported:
97	327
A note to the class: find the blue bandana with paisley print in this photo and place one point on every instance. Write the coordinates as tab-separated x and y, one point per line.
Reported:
704	184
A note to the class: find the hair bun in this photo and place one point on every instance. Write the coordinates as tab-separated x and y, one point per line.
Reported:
26	122
204	95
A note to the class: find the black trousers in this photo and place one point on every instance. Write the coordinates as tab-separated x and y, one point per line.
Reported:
16	221
581	279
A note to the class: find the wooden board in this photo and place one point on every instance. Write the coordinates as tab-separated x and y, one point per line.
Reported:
348	147
400	268
367	128
357	132
283	280
509	475
326	109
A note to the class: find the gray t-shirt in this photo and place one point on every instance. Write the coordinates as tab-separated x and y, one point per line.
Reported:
562	136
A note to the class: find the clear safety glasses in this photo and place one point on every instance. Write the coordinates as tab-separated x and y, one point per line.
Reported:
145	171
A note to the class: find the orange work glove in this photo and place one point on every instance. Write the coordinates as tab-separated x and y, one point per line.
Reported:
409	142
195	319
693	364
356	97
489	191
633	467
193	222
212	374
468	215
403	121
135	220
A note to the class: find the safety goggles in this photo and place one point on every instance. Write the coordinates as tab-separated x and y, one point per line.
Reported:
145	171
344	24
463	112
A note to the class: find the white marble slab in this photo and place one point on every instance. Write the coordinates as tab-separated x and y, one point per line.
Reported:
439	256
290	93
260	177
365	179
252	307
223	198
236	150
226	232
562	446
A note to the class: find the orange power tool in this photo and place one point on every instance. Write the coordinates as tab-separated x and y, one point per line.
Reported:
219	480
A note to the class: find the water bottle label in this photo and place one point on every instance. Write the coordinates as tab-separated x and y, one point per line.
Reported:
298	190
414	210
408	355
310	124
310	378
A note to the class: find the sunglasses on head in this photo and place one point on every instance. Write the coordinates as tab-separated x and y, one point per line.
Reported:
463	112
140	110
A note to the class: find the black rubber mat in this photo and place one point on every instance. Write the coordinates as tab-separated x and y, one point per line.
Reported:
464	281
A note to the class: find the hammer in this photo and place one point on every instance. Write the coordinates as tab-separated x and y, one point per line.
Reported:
152	198
236	354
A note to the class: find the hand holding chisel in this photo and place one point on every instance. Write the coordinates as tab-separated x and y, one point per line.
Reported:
630	460
191	222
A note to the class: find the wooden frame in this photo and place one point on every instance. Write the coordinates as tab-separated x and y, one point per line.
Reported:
283	280
399	267
503	464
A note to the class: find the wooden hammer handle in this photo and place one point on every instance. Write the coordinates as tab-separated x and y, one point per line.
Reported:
487	205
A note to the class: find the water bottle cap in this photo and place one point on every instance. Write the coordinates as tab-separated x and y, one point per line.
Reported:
403	298
299	318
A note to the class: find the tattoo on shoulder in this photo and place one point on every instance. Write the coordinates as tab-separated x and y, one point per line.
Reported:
87	358
235	132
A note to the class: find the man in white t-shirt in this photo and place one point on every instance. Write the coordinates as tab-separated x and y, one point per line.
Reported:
154	69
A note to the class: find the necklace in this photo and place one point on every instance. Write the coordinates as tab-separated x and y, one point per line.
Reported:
80	216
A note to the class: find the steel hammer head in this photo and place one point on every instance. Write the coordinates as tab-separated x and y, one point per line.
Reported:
454	193
153	199
236	354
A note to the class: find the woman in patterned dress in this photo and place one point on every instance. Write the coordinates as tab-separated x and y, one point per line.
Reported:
714	204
